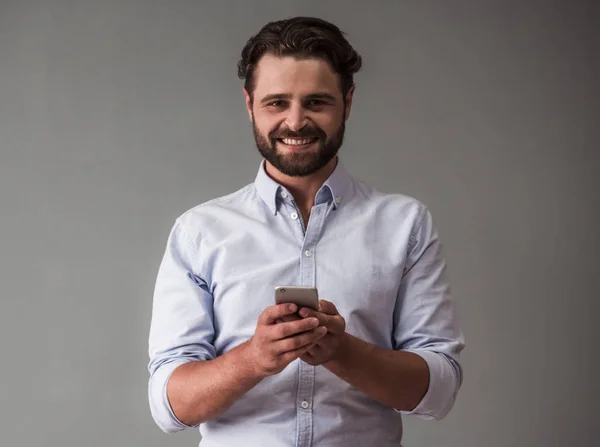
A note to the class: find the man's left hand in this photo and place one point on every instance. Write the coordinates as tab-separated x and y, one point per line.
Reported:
326	347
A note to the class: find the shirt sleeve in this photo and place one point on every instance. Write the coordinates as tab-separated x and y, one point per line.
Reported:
425	320
181	328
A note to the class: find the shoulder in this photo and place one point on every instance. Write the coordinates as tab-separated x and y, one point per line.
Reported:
209	213
390	204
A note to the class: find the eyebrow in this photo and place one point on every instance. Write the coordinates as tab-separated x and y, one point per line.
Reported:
276	96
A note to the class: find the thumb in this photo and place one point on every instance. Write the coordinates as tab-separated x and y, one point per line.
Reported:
327	307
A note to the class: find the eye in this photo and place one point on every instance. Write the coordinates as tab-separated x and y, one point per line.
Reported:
276	104
316	103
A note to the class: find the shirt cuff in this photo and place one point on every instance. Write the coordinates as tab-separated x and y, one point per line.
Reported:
443	385
161	410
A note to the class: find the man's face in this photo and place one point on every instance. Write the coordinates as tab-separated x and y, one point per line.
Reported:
297	113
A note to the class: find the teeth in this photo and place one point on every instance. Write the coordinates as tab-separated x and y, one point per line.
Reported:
293	142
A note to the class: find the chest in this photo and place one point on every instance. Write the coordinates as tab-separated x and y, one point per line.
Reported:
353	260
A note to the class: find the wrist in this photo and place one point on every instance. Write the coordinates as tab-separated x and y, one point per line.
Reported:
244	361
342	351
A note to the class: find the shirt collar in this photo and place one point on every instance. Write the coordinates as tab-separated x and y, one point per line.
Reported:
336	186
267	188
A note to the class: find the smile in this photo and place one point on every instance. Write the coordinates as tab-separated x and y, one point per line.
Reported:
298	141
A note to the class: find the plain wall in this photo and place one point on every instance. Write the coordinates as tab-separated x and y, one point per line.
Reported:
116	116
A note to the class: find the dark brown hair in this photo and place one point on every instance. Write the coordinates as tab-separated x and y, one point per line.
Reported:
301	37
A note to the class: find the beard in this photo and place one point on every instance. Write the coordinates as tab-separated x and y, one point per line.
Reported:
301	163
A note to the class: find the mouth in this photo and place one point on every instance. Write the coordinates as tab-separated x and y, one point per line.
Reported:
298	143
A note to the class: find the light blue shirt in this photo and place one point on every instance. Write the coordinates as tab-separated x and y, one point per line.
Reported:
376	256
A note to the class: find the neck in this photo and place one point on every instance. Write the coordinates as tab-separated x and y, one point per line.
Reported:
303	189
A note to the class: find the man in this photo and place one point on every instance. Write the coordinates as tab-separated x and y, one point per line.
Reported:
384	340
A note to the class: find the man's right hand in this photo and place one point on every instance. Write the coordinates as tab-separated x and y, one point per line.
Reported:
275	345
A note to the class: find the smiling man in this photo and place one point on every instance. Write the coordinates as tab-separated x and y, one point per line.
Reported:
384	341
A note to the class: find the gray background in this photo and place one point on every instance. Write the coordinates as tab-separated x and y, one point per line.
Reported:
117	116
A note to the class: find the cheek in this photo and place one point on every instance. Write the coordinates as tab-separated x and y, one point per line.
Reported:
266	124
330	125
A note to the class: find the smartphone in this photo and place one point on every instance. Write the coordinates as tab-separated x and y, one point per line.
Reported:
301	296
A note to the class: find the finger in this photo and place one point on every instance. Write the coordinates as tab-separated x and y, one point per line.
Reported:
317	349
321	345
290	356
311	358
291	328
286	318
308	357
327	307
337	324
305	312
292	317
299	341
272	313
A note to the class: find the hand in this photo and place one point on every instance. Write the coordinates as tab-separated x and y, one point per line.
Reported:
325	348
275	345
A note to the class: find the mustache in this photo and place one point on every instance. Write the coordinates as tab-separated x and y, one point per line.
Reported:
302	133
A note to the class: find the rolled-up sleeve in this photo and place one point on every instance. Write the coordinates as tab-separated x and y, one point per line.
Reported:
181	328
425	319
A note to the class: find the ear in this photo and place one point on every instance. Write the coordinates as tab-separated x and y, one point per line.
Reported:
248	100
349	97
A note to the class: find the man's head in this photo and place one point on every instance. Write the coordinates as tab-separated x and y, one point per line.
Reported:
298	85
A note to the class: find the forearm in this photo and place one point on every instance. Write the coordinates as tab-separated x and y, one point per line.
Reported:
397	379
201	391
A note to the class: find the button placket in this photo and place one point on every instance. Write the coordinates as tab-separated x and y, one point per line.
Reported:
306	372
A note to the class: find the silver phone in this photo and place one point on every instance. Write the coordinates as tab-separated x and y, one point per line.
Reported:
299	295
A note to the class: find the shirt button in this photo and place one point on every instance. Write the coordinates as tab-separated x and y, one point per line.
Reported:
304	404
338	200
284	194
294	216
308	253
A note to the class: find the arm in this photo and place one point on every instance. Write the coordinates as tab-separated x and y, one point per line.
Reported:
188	383
421	375
396	379
199	391
181	330
425	320
202	390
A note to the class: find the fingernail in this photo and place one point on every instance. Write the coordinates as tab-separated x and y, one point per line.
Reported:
292	307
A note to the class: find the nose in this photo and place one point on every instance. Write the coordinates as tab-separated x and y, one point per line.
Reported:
296	118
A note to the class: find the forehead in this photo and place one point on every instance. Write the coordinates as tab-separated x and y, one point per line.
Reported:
298	77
